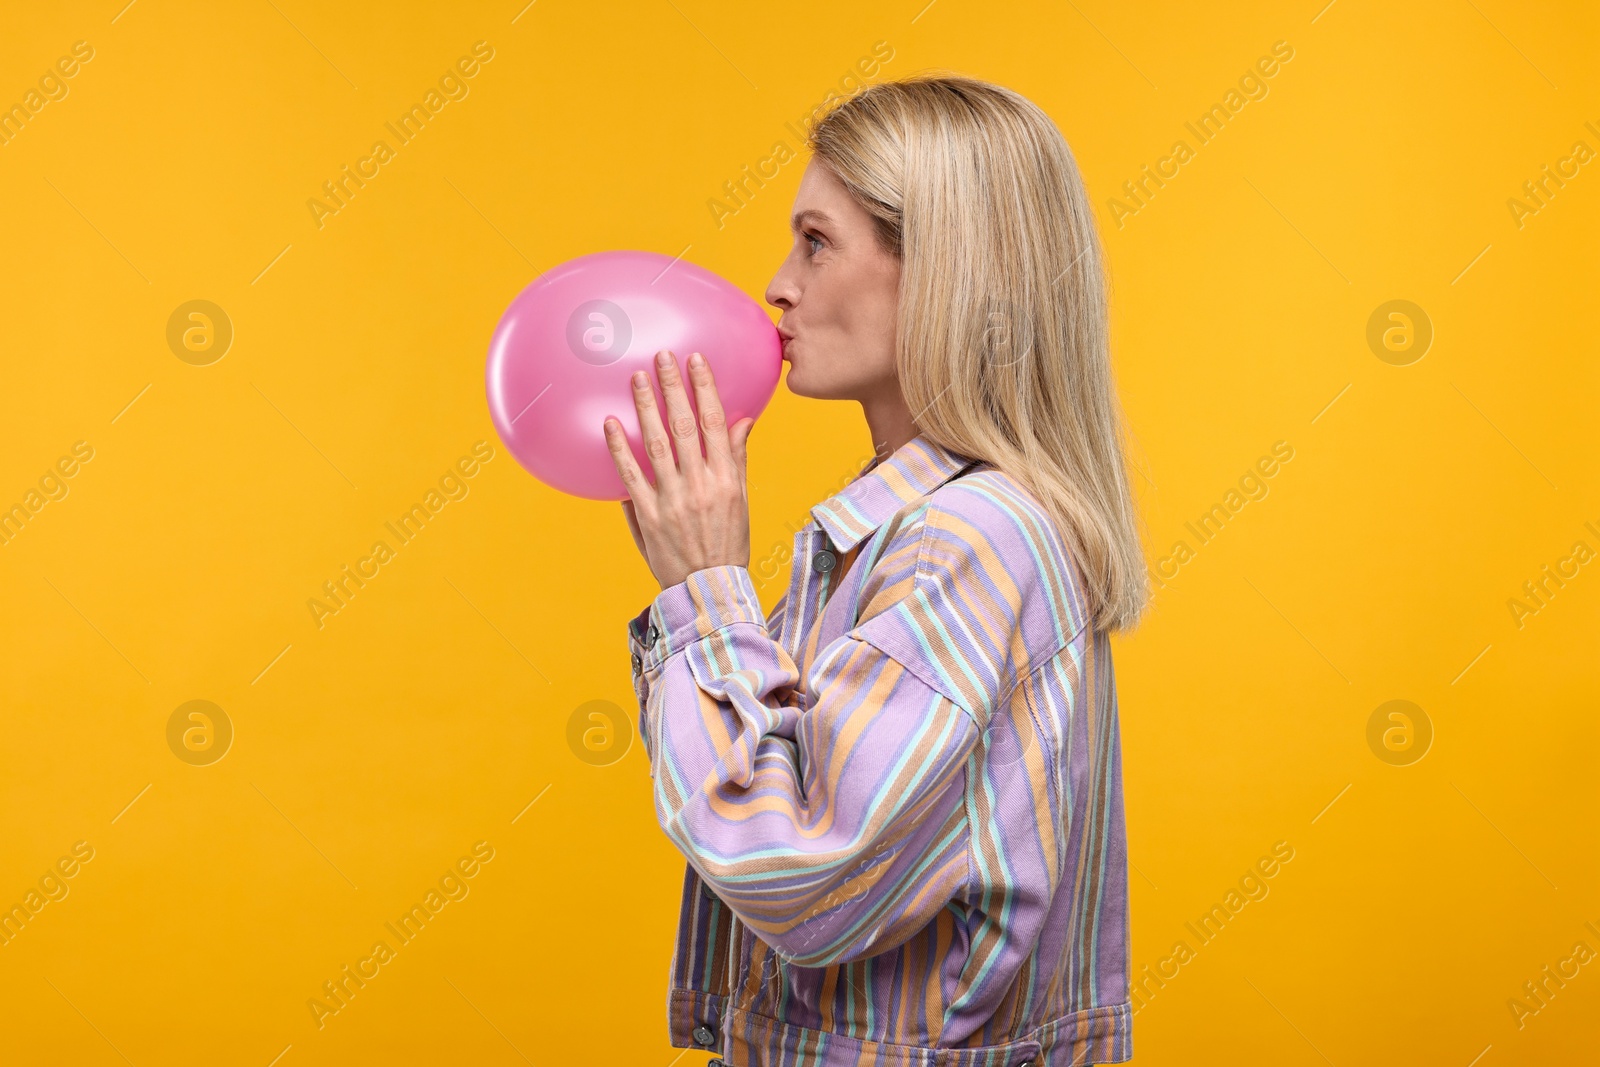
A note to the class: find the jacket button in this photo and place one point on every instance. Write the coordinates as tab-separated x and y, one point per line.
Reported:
823	561
651	634
637	665
705	1036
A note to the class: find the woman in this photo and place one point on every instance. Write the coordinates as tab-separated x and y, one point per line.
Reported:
900	793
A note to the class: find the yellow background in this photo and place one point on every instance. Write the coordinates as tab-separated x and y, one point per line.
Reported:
427	715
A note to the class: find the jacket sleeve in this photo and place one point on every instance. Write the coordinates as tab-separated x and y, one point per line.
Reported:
639	642
831	818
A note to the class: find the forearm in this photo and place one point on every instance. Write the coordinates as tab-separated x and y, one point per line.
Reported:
833	826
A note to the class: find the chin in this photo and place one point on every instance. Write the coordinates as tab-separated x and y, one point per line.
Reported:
820	381
796	384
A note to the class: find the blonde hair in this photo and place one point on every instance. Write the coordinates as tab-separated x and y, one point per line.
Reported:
1002	346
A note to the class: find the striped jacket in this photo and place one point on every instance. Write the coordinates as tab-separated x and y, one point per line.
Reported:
899	794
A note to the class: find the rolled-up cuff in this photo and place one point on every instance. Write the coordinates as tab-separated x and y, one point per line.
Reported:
703	603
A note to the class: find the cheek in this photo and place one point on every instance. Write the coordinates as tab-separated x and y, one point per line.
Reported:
827	305
876	304
853	304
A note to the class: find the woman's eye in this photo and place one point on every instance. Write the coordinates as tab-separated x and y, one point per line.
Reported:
811	237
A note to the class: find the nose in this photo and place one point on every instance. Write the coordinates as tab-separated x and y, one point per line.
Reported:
782	292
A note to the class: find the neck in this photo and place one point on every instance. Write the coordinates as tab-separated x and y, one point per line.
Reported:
888	421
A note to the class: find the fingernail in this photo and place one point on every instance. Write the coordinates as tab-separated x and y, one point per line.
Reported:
640	378
696	360
663	357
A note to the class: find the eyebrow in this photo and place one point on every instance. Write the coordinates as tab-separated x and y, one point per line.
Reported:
800	217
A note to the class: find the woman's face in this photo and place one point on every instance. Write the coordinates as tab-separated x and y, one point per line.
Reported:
838	290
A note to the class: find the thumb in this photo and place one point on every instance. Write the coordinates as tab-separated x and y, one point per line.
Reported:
742	438
632	516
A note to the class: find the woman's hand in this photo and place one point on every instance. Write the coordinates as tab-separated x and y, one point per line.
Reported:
697	515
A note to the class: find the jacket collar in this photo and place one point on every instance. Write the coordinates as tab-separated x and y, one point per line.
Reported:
884	486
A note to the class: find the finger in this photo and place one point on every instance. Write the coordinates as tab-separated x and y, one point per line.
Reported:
633	479
713	420
656	444
680	419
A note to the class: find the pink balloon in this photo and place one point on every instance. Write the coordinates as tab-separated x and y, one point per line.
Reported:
563	354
